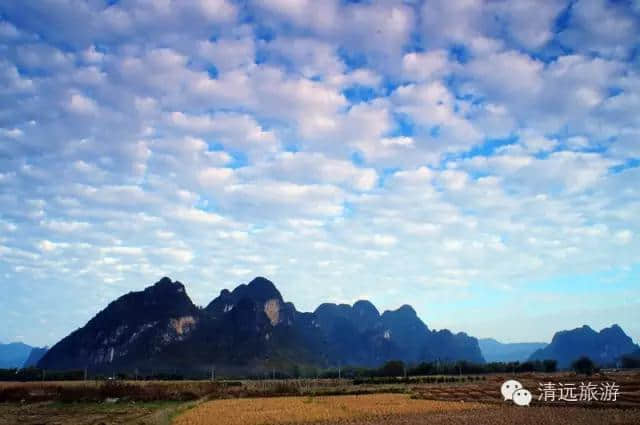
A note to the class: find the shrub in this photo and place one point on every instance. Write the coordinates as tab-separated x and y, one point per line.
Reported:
549	365
630	362
393	368
584	365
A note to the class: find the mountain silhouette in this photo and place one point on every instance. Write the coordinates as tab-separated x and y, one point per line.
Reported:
13	354
495	351
34	356
248	330
604	347
134	328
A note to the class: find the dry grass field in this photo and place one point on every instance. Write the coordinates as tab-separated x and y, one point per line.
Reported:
97	391
510	416
88	413
487	391
473	401
302	410
391	409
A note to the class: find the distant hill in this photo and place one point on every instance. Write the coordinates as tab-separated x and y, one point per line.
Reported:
34	356
495	351
359	334
248	330
13	355
605	347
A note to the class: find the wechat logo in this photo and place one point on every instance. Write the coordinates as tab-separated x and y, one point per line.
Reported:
513	390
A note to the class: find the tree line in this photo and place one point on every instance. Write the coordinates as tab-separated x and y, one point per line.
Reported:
390	369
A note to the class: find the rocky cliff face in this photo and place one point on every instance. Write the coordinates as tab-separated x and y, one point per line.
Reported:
131	331
604	347
252	327
358	334
248	329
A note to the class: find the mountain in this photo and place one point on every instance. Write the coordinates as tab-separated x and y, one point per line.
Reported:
131	330
34	356
360	335
160	329
495	351
13	355
635	354
604	347
250	329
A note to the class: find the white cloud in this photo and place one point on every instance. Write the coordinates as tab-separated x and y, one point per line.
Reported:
235	131
575	171
307	56
528	23
13	133
623	237
180	255
433	106
615	32
62	226
215	177
373	145
81	104
196	216
313	168
380	29
122	250
425	66
47	246
283	199
228	54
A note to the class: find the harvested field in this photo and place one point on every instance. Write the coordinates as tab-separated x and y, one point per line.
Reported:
511	416
392	409
484	389
487	391
87	413
97	391
420	400
330	409
92	391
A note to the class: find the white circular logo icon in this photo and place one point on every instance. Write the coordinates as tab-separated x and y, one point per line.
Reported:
522	397
508	388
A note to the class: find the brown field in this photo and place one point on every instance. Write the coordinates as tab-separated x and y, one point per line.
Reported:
88	413
300	410
146	391
390	409
94	391
417	401
487	391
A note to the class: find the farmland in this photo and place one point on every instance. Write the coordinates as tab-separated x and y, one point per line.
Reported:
433	400
263	411
52	413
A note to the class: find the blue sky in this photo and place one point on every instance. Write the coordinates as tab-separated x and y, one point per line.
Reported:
477	160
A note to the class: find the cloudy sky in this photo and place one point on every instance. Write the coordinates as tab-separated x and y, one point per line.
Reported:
478	160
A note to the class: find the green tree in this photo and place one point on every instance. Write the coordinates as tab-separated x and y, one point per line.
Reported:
550	365
584	365
393	368
630	362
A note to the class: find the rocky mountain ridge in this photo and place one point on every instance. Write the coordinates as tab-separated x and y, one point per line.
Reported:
248	329
605	348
